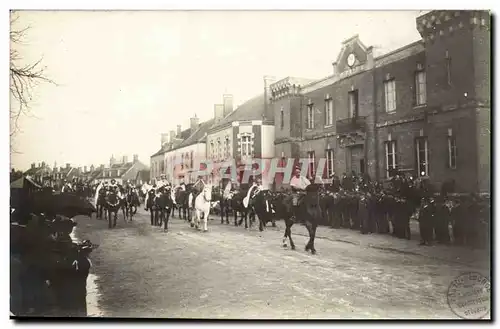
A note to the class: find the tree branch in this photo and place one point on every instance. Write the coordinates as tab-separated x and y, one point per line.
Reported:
23	78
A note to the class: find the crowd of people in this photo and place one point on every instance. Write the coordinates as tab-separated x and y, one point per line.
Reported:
357	202
48	269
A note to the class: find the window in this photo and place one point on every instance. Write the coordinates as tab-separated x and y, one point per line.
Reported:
422	149
420	88
191	164
390	95
452	152
390	158
353	104
282	118
219	150
311	169
212	150
228	149
310	115
245	145
448	68
328	110
329	162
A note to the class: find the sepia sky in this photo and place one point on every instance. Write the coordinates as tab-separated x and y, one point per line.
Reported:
125	77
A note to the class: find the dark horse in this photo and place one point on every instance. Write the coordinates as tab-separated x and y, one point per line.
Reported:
162	207
131	203
181	201
238	207
150	205
112	205
101	204
307	212
185	203
264	208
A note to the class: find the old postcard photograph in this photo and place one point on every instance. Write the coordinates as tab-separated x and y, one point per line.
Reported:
251	164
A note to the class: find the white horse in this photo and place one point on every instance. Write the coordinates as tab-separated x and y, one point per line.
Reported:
202	205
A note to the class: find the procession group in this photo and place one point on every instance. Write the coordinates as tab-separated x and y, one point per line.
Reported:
353	201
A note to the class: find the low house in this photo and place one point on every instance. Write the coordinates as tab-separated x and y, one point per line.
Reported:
121	172
143	176
39	173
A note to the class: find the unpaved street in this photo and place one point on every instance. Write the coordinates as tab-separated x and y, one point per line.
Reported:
230	272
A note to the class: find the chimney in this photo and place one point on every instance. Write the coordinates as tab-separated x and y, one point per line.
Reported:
43	163
334	67
227	104
195	123
33	165
268	80
92	167
68	165
111	161
172	136
178	131
136	158
101	167
80	169
164	139
218	112
370	62
125	159
84	168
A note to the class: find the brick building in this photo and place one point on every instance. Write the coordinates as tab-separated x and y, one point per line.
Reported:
423	108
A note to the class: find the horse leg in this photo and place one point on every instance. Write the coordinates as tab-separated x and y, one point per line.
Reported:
191	219
288	232
312	237
107	216
165	227
205	220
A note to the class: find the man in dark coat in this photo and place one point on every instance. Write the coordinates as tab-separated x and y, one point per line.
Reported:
427	216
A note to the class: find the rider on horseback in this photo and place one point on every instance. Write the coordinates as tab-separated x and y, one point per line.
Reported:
151	193
197	188
298	184
67	187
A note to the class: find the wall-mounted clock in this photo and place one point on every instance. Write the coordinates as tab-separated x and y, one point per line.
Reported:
351	59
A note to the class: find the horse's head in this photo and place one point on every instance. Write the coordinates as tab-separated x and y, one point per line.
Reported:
207	192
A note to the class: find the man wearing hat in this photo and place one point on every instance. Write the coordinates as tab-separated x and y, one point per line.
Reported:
298	183
197	188
426	220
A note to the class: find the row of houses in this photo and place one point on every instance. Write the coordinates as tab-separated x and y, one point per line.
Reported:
121	170
424	109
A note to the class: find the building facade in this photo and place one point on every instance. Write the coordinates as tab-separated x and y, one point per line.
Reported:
241	135
423	108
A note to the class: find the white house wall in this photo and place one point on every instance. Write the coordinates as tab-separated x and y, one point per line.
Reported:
267	141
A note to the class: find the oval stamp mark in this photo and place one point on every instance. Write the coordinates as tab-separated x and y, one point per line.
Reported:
469	296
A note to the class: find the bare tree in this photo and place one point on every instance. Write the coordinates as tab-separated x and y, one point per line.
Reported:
23	77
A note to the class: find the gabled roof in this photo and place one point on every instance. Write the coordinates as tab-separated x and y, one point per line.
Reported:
38	170
143	175
253	109
178	140
198	135
122	167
